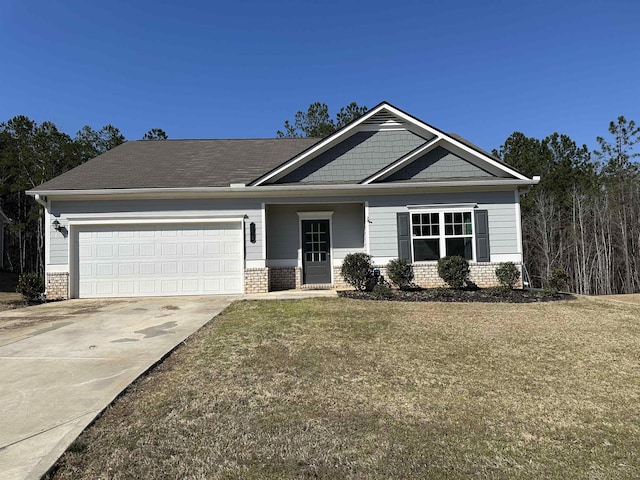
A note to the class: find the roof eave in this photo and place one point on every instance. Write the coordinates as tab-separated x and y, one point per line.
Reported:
267	190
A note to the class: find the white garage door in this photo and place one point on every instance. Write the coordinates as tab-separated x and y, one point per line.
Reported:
153	260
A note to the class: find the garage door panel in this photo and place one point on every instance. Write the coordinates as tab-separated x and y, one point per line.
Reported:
151	260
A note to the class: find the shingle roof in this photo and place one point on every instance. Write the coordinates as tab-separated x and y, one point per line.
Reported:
180	164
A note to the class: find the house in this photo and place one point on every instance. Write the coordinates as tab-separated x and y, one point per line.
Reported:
187	217
4	220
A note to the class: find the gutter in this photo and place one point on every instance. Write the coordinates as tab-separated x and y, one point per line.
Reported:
272	190
38	198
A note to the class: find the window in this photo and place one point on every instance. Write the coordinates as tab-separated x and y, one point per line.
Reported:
440	234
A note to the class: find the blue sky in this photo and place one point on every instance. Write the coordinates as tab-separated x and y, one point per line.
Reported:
239	69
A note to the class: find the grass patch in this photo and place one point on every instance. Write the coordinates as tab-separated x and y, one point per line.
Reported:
9	299
339	388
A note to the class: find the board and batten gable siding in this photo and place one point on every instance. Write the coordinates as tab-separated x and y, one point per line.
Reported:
59	243
283	240
439	163
501	208
356	158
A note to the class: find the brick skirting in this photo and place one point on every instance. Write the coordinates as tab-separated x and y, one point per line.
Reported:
284	278
426	275
57	287
256	280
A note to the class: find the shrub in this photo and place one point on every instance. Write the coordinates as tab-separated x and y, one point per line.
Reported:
30	286
557	281
400	272
507	274
357	271
454	271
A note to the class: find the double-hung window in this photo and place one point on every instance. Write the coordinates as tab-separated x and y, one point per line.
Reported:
437	234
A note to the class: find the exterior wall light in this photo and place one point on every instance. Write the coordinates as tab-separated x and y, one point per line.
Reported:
252	232
56	225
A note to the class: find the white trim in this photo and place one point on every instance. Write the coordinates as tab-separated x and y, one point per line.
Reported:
282	262
382	261
57	268
443	206
327	215
146	220
47	238
505	257
518	224
254	264
402	161
264	230
367	247
442	237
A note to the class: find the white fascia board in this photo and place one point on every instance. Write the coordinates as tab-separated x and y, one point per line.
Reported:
394	167
266	191
150	218
455	142
296	161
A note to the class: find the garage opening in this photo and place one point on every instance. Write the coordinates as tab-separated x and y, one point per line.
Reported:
159	260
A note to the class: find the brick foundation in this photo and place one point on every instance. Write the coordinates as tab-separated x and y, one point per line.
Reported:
57	287
482	274
425	275
284	278
256	280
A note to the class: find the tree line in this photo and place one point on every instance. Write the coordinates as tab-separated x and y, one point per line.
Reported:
32	153
583	218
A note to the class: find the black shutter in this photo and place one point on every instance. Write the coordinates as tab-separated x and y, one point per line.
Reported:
404	237
482	236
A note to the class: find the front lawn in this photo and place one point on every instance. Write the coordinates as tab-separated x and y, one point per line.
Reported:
340	388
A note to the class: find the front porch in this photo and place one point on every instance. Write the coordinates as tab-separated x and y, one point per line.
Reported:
306	243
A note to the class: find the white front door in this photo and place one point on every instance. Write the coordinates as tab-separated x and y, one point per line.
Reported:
157	260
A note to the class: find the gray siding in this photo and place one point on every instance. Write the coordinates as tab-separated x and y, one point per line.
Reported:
438	163
59	245
383	241
282	220
356	158
283	238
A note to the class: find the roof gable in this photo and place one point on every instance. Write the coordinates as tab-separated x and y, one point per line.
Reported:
382	118
357	157
438	163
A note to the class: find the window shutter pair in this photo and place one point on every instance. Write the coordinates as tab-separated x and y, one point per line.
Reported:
483	254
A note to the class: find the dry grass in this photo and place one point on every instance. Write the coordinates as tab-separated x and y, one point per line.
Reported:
338	388
9	299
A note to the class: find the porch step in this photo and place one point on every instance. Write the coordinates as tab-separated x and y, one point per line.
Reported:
317	286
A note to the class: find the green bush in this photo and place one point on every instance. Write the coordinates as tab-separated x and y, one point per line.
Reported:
30	286
454	271
507	274
557	281
357	271
400	272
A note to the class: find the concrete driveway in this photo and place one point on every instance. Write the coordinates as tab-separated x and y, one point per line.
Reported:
62	363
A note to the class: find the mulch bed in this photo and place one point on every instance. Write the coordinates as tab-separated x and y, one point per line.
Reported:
487	295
